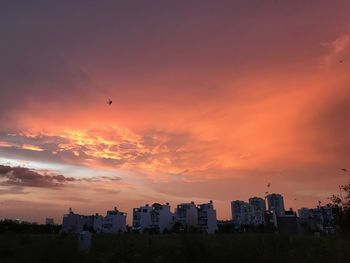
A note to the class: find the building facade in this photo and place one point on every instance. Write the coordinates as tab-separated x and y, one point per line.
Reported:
276	203
242	213
187	214
318	219
141	218
162	219
259	208
156	218
75	223
113	222
207	221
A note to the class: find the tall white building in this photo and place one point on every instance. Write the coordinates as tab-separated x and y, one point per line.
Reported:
242	213
187	214
156	217
162	218
259	208
207	221
275	203
75	223
113	222
141	218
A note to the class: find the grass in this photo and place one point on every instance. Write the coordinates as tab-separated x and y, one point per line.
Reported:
175	248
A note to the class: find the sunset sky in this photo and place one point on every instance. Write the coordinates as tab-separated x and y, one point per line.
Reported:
212	100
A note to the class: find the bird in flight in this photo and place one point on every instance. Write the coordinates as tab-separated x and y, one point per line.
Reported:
341	61
109	102
269	184
345	170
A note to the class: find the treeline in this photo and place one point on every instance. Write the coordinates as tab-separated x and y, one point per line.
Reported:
11	226
342	201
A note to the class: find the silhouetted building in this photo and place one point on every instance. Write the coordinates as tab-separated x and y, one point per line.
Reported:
141	219
49	221
207	221
259	208
113	222
75	223
270	219
276	203
242	213
304	212
162	219
187	215
320	219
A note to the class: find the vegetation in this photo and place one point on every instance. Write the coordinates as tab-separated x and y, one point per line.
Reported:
24	227
342	202
175	248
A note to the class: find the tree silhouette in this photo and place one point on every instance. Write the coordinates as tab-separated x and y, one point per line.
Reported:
341	205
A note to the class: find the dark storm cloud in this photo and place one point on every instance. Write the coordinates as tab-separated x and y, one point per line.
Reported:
25	177
17	178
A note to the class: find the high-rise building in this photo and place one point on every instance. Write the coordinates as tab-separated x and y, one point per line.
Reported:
207	221
276	204
141	219
113	222
187	214
259	209
162	218
242	213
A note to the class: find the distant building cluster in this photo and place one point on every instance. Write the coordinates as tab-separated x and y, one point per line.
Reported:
113	222
318	219
154	218
254	213
158	218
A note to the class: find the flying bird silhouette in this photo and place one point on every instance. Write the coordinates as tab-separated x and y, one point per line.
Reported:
345	170
109	102
269	184
341	61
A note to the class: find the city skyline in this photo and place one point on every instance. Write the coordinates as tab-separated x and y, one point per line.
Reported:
122	104
253	200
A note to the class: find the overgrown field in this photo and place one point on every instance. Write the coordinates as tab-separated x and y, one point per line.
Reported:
175	248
